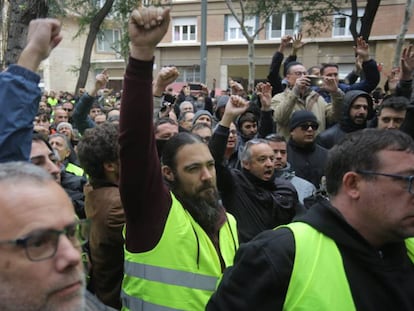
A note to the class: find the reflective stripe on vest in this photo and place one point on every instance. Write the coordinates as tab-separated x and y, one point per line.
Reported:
182	271
136	304
74	169
318	280
170	276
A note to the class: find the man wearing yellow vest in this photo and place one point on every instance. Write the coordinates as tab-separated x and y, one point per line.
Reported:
353	252
178	237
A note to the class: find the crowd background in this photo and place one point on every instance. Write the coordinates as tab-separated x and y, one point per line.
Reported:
263	158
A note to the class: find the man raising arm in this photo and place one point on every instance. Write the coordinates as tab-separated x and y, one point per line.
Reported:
179	242
19	91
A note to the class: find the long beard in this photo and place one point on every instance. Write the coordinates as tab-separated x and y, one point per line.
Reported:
205	209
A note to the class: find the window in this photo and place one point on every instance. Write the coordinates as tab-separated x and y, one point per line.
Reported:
233	29
189	73
185	29
341	23
109	41
283	24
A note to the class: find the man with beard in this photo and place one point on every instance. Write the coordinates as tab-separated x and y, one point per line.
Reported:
358	108
178	240
252	195
391	112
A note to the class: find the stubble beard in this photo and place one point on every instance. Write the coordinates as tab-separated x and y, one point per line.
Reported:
21	299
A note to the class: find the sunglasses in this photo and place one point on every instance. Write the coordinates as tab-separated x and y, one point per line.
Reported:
305	126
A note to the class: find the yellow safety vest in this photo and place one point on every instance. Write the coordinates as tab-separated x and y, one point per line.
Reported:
74	169
182	271
318	280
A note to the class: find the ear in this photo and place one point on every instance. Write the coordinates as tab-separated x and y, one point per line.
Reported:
351	184
167	173
246	165
67	154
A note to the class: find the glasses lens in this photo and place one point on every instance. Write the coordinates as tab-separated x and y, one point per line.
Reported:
42	245
306	126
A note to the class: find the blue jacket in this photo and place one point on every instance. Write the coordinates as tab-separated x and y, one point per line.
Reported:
80	117
19	102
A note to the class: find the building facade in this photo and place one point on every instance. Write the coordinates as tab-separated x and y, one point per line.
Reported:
226	47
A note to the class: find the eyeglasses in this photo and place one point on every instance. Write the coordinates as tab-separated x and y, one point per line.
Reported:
409	179
42	244
305	126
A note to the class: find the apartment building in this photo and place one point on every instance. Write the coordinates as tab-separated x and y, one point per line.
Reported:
226	46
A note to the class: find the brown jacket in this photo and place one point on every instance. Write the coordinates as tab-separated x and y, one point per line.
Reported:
103	207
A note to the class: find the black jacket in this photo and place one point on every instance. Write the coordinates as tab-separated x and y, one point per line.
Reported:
334	134
257	205
73	185
259	279
307	162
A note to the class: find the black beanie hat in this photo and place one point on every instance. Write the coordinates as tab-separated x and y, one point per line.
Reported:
301	116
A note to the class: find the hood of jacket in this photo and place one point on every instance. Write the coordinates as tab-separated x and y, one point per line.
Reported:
346	124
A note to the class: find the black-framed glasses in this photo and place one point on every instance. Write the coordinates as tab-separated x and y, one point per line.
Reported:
42	244
305	126
408	179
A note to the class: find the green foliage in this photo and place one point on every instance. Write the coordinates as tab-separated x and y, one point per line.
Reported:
317	14
56	9
122	10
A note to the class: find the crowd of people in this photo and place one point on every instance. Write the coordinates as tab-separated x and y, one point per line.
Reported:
140	199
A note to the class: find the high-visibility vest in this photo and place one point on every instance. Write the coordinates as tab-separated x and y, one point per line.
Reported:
74	169
183	270
318	280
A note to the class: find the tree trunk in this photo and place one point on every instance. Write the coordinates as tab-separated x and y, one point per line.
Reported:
21	12
367	19
401	36
90	40
354	20
250	60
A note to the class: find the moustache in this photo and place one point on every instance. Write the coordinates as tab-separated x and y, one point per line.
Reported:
207	185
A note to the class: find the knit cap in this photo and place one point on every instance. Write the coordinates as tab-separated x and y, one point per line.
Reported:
200	113
301	116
